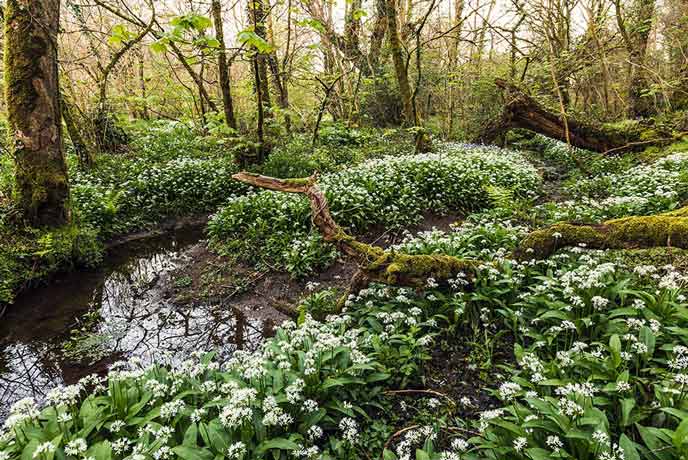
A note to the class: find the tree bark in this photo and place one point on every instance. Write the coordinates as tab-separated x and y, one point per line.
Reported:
257	17
223	68
400	68
81	149
522	111
377	36
635	36
678	51
33	105
142	84
279	80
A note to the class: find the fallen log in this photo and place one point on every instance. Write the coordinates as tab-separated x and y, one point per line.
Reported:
523	111
397	269
638	232
374	263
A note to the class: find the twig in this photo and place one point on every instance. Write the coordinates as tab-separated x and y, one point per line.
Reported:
398	433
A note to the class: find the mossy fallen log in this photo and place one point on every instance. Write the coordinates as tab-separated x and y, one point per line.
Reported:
523	111
663	230
374	263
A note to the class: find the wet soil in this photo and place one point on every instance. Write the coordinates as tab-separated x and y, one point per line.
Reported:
209	277
464	372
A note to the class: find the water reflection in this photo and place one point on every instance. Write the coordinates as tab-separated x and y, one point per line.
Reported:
122	310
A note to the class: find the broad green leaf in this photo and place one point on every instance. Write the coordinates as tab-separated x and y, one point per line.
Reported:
192	453
629	448
276	443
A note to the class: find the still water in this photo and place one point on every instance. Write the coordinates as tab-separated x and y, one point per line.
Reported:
83	321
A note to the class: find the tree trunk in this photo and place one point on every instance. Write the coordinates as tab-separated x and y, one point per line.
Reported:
676	32
142	85
225	84
257	17
522	111
636	35
453	61
279	80
33	106
663	230
83	153
377	35
399	62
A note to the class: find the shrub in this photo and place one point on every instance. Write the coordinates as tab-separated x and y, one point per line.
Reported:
339	147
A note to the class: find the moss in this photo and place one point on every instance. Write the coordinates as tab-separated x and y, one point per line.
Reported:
670	229
34	118
28	256
418	268
544	242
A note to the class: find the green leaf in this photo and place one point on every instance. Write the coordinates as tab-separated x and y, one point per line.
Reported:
422	455
537	453
615	350
276	443
629	448
158	46
192	453
377	377
358	14
388	455
680	436
100	451
191	436
627	406
252	39
647	337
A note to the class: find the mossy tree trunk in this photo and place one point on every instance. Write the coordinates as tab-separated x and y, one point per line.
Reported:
377	36
635	25
677	34
257	15
663	230
81	149
400	69
32	95
523	111
278	76
223	68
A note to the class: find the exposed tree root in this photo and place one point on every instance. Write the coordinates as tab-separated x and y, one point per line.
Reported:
663	230
523	111
374	263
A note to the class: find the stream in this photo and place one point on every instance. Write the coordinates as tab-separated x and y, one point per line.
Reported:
83	321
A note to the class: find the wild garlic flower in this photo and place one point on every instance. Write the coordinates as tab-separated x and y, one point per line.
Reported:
44	448
76	447
554	443
349	429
